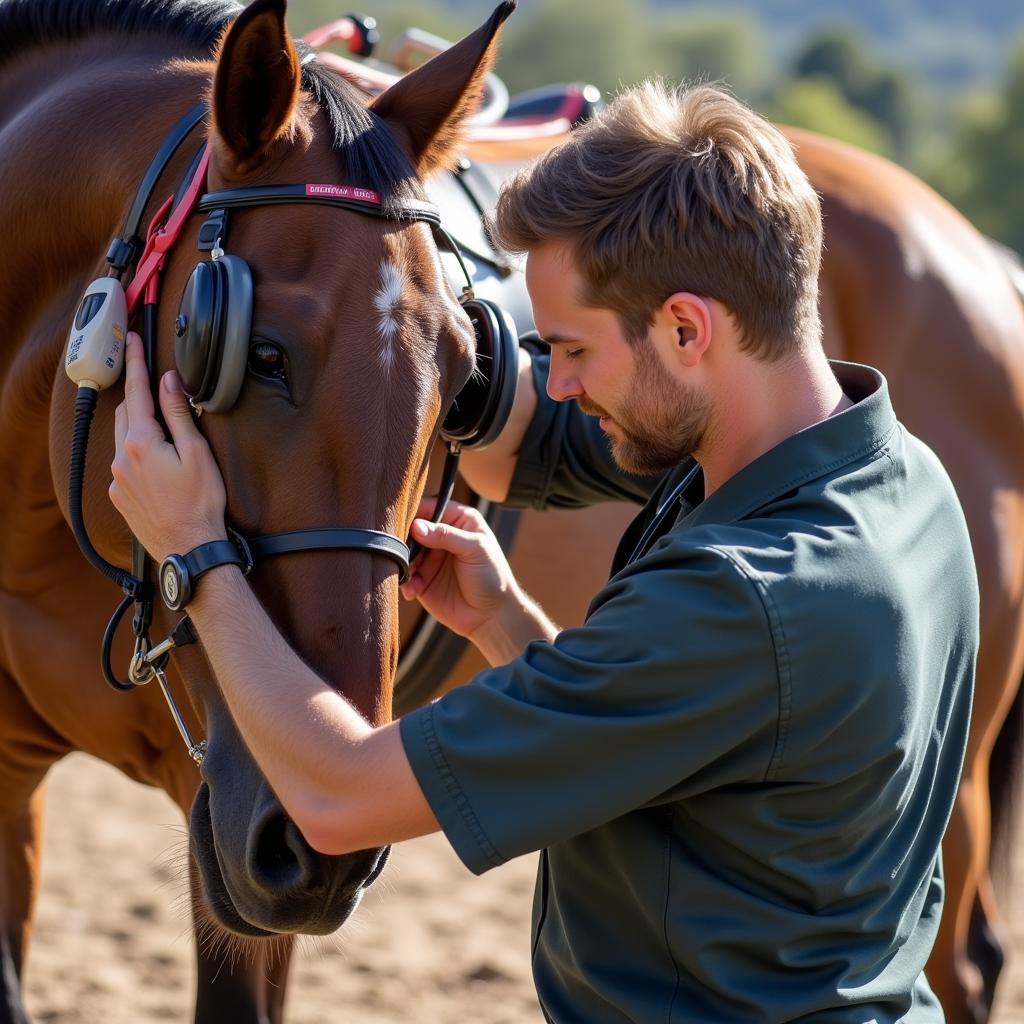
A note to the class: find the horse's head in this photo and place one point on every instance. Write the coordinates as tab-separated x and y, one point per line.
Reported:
356	347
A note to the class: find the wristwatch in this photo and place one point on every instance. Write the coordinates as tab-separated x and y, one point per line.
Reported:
179	573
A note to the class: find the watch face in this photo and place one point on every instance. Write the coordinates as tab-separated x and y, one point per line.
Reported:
171	583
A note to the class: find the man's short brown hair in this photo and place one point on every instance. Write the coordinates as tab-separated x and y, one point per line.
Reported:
679	189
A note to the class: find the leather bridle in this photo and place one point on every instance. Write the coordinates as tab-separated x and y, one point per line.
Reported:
148	660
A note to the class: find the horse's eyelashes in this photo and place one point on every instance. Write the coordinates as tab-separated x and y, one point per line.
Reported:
267	360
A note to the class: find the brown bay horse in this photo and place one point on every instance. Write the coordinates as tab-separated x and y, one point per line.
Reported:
325	434
346	379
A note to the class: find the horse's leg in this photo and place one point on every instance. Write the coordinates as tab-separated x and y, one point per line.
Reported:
19	878
27	749
243	989
1006	765
954	977
238	981
963	974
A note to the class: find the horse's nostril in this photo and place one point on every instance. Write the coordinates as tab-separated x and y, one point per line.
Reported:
281	859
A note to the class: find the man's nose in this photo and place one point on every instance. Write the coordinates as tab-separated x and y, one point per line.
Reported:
562	386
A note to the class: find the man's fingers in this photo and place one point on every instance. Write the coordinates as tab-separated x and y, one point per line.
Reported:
137	397
177	413
455	513
120	427
425	568
443	537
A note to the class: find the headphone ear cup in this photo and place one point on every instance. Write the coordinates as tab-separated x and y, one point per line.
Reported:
196	332
211	344
481	409
235	331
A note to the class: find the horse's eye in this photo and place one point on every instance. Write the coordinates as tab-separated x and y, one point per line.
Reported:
267	360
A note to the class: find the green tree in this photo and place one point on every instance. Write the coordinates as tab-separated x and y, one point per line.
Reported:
837	52
818	105
600	41
983	173
710	46
393	17
843	55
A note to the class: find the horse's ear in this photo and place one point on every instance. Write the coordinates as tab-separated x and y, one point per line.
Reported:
429	105
256	86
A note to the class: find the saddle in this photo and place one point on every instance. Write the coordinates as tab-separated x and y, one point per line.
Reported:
504	130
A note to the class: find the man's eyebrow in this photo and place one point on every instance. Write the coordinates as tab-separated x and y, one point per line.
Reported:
559	339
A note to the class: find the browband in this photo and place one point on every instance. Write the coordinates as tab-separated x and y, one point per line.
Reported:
348	197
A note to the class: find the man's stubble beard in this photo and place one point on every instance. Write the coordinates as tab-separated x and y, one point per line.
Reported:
661	423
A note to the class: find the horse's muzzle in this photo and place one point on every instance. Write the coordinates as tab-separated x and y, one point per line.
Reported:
260	877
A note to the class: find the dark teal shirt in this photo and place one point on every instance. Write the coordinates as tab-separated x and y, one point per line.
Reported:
740	768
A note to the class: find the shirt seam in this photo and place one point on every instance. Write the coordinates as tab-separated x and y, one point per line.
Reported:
455	790
669	834
783	676
878	442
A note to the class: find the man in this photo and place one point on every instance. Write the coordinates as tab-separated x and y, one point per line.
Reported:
739	769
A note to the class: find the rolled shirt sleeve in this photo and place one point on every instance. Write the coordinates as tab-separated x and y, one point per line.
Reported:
670	687
565	460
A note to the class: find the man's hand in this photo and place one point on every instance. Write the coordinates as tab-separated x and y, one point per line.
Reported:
171	495
465	582
462	578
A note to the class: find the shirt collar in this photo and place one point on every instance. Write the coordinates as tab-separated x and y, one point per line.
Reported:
810	453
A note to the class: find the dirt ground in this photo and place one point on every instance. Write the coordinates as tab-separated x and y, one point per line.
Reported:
430	943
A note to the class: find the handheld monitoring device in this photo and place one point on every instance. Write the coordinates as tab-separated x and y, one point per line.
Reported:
94	360
95	352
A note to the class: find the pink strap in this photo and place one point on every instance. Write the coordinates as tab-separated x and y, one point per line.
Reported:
161	237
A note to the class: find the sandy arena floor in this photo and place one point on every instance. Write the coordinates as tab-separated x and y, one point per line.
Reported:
431	943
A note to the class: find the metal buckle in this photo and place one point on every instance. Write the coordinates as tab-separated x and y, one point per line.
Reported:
243	546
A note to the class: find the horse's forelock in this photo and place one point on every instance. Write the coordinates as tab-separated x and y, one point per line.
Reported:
373	157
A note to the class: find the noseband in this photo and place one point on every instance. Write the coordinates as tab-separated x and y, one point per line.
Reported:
149	661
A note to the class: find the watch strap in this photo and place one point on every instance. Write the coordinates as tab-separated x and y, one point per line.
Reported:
212	554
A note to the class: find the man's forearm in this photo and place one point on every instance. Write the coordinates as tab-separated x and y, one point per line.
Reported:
504	637
490	471
324	761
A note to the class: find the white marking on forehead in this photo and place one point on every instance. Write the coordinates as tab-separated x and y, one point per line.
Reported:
387	302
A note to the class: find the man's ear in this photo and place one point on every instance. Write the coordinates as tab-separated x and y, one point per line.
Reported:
429	106
256	85
689	318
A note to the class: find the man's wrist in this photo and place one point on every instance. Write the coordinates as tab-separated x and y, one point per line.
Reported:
519	621
219	587
180	574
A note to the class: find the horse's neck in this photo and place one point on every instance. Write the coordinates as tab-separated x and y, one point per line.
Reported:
76	133
74	152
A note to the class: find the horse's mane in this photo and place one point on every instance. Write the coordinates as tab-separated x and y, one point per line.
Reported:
26	23
373	158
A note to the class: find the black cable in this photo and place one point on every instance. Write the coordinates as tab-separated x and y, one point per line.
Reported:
444	492
85	406
108	642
